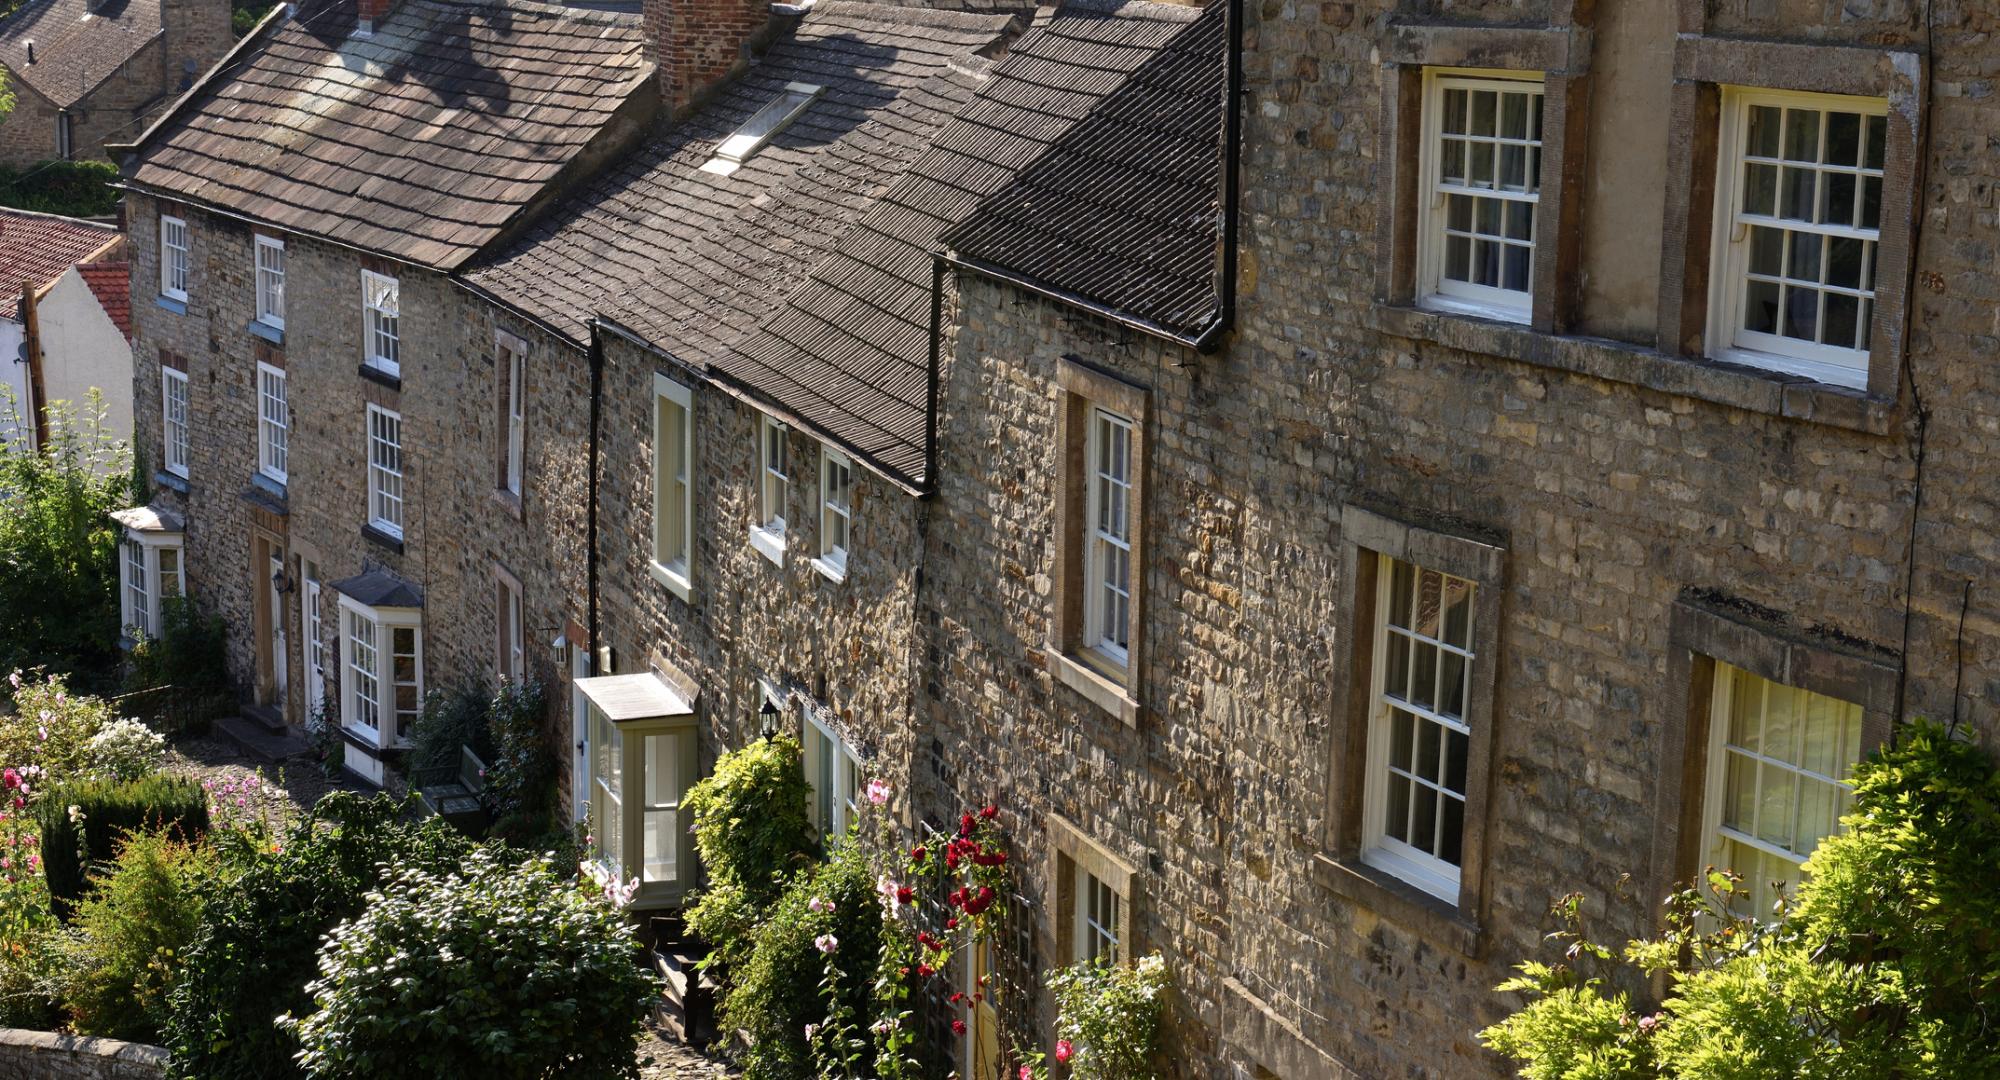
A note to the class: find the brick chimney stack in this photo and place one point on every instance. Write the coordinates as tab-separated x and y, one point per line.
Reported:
699	43
196	33
372	13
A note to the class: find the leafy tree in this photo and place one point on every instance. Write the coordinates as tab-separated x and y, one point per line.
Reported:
70	188
58	547
497	970
1886	965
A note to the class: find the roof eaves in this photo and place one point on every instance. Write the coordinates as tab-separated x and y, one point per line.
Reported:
1197	340
278	14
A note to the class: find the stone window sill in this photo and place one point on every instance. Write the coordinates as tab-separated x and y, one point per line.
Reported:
1400	902
377	375
511	503
835	572
1102	691
382	539
273	334
178	307
676	581
171	481
1750	389
769	543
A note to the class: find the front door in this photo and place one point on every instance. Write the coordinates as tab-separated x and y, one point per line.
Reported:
278	642
315	629
982	1021
579	719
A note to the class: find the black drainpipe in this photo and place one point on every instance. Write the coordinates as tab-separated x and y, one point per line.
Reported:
931	399
590	526
1232	141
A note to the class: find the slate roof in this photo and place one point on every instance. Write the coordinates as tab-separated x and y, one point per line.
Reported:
73	54
849	355
37	248
111	283
690	260
421	141
379	589
1125	210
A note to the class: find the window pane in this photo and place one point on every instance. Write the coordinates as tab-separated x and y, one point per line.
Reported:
1767	250
1765	125
1798	194
1802	134
1402	739
1801	313
1760	189
1760	307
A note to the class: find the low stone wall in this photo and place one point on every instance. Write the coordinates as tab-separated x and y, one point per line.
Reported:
45	1055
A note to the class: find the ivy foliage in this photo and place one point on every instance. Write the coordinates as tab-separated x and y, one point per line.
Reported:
495	970
1886	965
777	991
260	934
753	833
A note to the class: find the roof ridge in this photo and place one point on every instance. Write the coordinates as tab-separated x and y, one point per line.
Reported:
1155	10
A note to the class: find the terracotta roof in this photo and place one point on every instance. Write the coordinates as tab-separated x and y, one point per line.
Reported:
849	355
421	141
75	49
37	248
691	260
1125	210
111	283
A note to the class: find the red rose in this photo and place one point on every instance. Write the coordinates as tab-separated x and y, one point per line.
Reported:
958	1027
989	812
925	971
951	923
905	894
917	854
965	825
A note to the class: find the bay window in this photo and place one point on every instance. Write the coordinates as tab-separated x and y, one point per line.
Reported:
149	569
641	735
833	772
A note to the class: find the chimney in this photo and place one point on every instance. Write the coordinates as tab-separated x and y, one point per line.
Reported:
195	33
371	14
696	44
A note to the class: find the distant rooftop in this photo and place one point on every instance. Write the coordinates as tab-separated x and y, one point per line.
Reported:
75	48
422	141
37	248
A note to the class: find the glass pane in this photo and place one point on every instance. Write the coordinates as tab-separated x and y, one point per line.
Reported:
1837	199
1819	814
1480	172
1842	314
1765	126
1458	258
1760	189
1801	135
1520	221
1458	213
1797	194
1486	263
1402	737
1423	821
1458	613
1767	250
1430	603
1487	213
1451	162
1451	842
1871	203
1457	746
1514	116
1515	268
1781	723
1423	674
1739	792
1760	307
1878	134
1454	111
1843	138
1451	685
660	771
1801	314
1397	821
1774	804
614	760
1483	102
1805	252
1843	262
1429	749
1402	583
1396	666
1514	168
661	863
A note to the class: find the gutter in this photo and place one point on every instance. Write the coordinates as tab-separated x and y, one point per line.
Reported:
1063	296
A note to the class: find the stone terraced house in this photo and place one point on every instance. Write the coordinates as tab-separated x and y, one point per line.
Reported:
1338	475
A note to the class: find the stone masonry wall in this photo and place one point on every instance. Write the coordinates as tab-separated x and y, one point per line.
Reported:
45	1055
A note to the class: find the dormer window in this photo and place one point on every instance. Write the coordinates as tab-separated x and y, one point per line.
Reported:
763	126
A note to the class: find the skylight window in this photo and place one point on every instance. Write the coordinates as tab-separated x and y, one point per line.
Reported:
762	127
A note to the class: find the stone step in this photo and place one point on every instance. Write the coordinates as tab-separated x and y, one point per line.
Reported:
266	717
260	742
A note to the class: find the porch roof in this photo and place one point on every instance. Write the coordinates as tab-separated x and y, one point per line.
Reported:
624	698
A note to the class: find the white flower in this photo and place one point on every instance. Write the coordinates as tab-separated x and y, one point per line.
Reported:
878	791
76	814
826	943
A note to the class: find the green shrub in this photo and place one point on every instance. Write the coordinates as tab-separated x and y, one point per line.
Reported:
498	970
1887	963
35	971
451	719
776	991
1108	1017
753	832
47	740
134	933
58	547
521	775
70	188
83	823
261	933
126	750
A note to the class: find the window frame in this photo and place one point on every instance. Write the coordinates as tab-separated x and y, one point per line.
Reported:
378	496
1729	256
268	282
826	756
1714	833
1102	545
176	435
1075	859
1090	939
832	560
175	257
512	373
381	321
142	569
768	533
676	573
1112	683
510	627
1434	291
273	435
1462	550
65	136
393	724
1387	853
